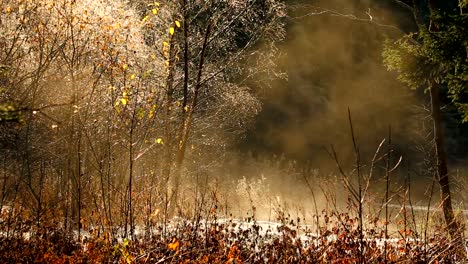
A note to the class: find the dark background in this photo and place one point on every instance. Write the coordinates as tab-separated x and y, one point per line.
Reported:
334	62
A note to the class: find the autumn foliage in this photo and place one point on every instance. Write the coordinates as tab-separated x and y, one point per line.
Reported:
114	120
229	241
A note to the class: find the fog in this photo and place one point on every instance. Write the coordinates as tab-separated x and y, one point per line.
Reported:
333	56
334	63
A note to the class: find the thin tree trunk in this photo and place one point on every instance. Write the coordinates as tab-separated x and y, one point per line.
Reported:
130	177
168	133
186	58
442	170
187	123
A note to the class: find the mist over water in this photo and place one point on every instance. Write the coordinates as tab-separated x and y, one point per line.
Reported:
334	63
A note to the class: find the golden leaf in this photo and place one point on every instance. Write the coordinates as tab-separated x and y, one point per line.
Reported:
132	76
177	23
155	214
124	101
159	141
171	30
174	245
154	11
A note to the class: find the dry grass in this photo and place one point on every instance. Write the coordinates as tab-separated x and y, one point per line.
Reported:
214	240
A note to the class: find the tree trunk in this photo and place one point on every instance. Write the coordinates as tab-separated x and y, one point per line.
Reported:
188	121
423	10
442	170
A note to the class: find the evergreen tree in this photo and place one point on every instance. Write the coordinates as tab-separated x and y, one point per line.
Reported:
436	59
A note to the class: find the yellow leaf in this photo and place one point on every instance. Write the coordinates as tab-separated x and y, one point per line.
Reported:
171	30
8	9
186	108
156	212
128	258
159	141
124	101
165	43
154	11
145	18
132	76
124	67
177	23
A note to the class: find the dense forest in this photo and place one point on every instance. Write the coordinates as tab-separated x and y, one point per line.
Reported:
233	131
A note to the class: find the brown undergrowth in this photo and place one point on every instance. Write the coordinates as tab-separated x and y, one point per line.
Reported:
216	240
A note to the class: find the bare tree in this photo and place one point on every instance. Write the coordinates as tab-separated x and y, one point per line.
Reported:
204	51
